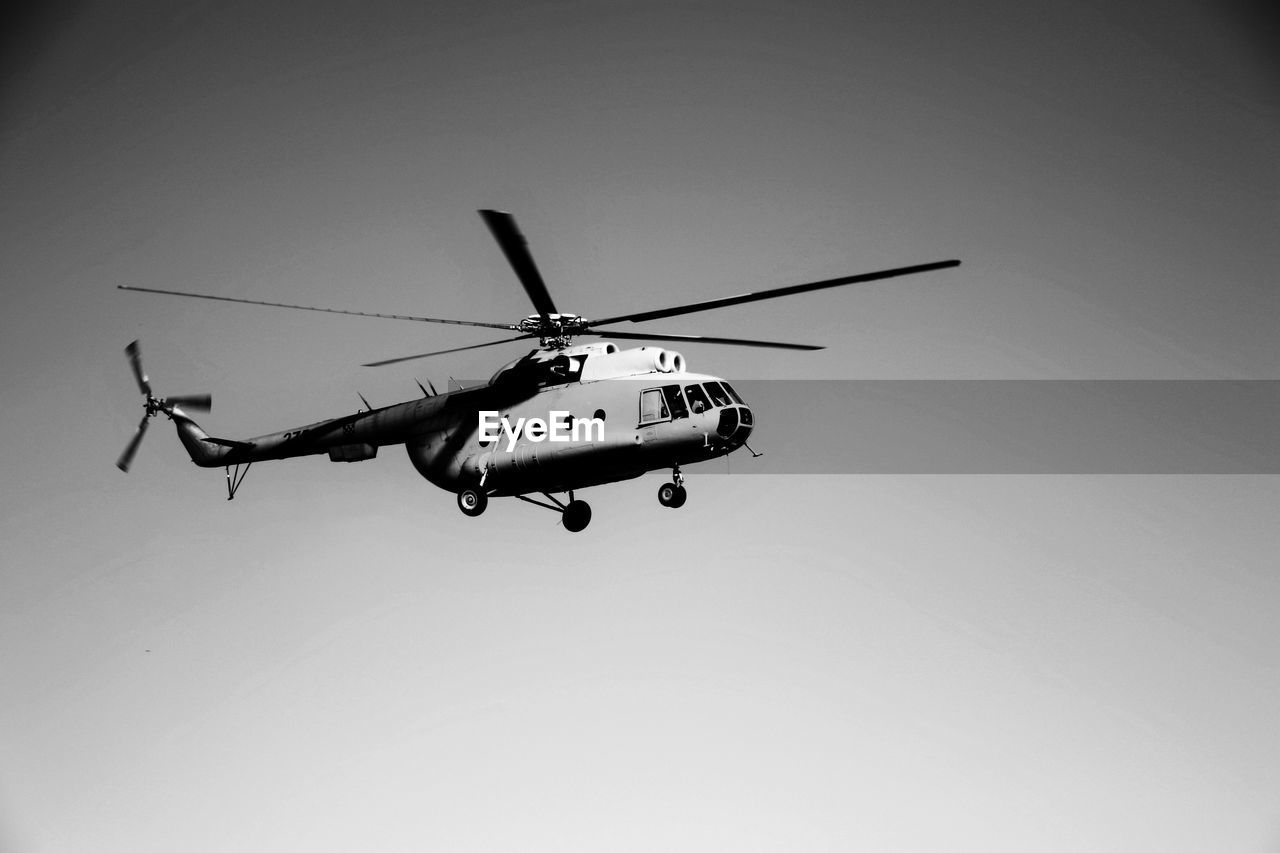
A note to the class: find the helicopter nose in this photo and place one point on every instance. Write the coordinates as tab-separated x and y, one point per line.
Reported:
736	423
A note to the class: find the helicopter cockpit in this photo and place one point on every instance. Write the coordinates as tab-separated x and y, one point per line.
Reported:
673	402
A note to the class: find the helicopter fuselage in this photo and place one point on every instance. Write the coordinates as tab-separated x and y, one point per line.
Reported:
652	413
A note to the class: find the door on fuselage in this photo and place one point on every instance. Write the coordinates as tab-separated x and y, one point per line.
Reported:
662	404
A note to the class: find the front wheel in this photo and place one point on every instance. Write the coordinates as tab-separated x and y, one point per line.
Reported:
669	494
472	502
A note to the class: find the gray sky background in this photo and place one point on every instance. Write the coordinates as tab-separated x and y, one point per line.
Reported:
339	659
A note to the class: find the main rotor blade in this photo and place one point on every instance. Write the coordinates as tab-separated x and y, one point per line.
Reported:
195	402
776	292
126	458
135	360
323	310
516	248
698	339
443	351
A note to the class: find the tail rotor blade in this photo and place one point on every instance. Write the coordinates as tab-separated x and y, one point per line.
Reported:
126	458
135	360
195	402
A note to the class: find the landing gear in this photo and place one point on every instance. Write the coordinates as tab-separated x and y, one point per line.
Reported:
234	479
472	502
669	494
577	515
673	494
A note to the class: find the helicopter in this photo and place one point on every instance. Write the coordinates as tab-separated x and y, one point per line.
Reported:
560	419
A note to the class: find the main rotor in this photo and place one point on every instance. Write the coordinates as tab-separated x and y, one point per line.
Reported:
555	330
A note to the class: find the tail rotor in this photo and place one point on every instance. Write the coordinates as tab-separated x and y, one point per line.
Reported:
126	458
154	405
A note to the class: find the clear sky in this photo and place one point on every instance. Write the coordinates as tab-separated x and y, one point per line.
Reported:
339	659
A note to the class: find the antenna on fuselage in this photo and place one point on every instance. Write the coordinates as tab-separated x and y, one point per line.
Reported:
424	390
363	400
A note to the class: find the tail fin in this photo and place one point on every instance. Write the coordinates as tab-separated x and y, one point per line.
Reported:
205	450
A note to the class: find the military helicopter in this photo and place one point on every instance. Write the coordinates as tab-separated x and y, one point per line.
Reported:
560	419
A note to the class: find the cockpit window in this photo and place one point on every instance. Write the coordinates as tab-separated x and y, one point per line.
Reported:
697	399
718	395
676	401
732	393
652	406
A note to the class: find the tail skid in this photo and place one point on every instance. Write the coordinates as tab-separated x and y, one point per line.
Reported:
209	452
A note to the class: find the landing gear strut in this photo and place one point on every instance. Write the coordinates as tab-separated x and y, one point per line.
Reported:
575	515
472	502
673	494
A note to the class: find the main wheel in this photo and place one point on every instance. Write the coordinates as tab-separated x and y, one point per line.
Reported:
679	498
472	502
576	516
667	494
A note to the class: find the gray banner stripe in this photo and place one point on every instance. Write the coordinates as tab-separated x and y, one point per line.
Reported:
998	426
1012	427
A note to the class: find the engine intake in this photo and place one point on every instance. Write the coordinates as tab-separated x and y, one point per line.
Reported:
669	361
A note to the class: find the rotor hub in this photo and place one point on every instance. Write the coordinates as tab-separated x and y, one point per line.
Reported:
554	331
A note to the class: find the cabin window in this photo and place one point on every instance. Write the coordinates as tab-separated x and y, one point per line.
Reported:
652	406
675	401
718	395
698	401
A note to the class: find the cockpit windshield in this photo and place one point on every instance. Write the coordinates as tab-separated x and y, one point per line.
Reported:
718	395
698	402
669	402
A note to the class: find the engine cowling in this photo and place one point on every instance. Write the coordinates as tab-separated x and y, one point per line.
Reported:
633	362
670	361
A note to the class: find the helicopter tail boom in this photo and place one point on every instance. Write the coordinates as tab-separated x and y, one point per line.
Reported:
205	450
